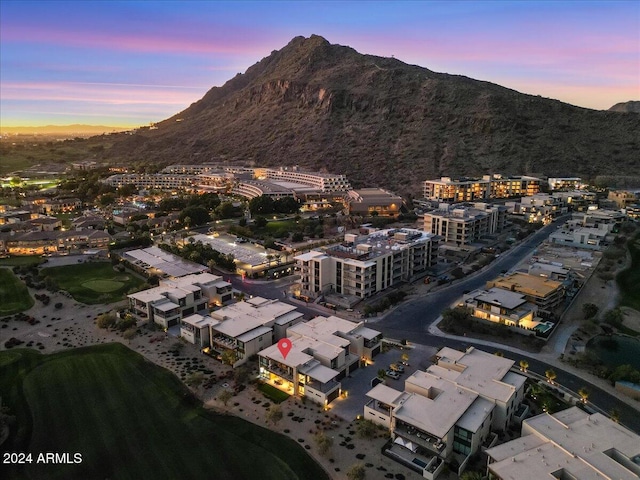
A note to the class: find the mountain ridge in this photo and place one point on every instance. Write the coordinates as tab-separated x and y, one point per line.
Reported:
383	122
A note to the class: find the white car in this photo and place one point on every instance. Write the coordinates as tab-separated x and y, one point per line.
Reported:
392	374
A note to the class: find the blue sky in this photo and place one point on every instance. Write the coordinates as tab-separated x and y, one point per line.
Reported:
131	63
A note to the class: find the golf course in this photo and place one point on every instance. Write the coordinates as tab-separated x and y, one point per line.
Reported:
94	282
14	295
130	419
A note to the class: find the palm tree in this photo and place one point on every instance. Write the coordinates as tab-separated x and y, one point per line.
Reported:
524	365
584	394
551	375
382	373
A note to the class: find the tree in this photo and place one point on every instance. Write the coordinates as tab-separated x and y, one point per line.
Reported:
227	210
614	317
589	310
471	475
197	215
274	414
356	472
366	429
551	375
195	379
129	333
457	273
106	199
260	222
224	396
261	205
106	320
524	365
324	443
614	414
229	357
584	394
241	374
382	373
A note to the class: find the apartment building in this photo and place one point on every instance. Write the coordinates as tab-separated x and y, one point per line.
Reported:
547	294
570	444
538	208
622	198
462	224
564	183
455	190
246	328
366	201
323	351
448	411
176	298
366	264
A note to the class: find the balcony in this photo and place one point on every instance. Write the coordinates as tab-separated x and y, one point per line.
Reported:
326	387
425	440
225	342
278	371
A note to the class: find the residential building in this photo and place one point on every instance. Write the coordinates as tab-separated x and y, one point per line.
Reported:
538	208
245	328
547	294
502	306
570	444
462	224
323	351
155	261
564	183
177	298
448	411
52	242
570	235
60	205
622	198
366	201
633	211
451	190
366	264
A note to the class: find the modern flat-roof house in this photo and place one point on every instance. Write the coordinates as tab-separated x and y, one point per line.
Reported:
502	306
545	293
591	238
174	299
366	264
245	328
324	350
570	444
365	201
448	411
154	260
462	224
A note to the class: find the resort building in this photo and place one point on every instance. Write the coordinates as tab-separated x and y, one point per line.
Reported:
52	242
153	181
448	411
365	201
462	224
538	208
245	328
364	265
451	190
155	261
177	298
256	188
323	351
570	444
545	293
564	183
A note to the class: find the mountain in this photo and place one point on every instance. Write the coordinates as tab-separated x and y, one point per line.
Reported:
383	123
630	106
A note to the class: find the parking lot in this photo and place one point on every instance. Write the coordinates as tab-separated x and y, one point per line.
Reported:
360	382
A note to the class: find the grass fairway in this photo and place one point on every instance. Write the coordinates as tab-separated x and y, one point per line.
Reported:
132	420
629	279
14	295
92	283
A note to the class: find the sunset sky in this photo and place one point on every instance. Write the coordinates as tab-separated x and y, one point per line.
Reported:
129	63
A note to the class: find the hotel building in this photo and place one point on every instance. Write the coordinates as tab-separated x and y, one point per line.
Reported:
466	223
451	190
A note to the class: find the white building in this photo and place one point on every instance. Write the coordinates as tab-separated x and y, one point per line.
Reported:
449	410
571	444
174	299
324	350
465	223
363	265
503	307
571	235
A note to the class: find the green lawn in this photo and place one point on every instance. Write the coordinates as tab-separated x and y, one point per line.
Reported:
272	393
131	419
93	282
14	295
22	261
629	279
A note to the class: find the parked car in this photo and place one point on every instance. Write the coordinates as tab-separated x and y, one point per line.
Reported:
396	367
393	374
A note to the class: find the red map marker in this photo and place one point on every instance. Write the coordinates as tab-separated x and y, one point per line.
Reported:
284	345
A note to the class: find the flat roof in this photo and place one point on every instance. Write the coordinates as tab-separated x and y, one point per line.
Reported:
585	446
476	414
295	357
500	297
305	257
199	321
476	370
255	333
527	284
385	394
320	373
166	306
244	254
166	262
